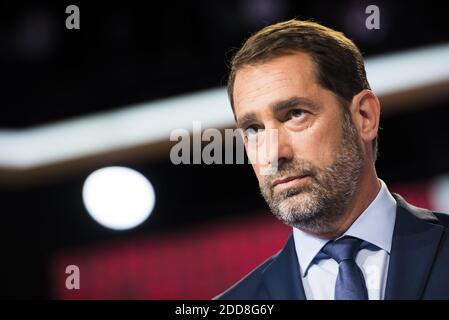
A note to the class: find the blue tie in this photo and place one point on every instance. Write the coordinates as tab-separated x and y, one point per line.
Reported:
350	283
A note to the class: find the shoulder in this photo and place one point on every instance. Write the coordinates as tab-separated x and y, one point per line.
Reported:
430	217
443	219
422	214
250	287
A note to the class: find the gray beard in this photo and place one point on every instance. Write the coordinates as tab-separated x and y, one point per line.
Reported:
320	202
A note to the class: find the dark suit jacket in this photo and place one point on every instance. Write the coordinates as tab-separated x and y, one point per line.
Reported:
418	267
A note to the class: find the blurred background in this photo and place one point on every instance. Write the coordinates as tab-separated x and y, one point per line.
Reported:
109	94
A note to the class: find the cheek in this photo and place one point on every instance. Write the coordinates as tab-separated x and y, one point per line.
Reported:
318	145
261	177
263	157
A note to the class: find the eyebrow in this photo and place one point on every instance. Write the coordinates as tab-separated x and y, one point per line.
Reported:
277	107
292	102
246	119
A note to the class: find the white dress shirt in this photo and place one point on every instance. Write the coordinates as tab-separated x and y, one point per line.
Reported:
375	225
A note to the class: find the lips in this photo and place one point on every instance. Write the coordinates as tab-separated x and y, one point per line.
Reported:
286	180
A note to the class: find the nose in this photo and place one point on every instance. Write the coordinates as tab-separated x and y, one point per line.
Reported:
283	152
285	148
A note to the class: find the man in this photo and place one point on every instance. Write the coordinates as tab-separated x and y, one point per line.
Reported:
352	238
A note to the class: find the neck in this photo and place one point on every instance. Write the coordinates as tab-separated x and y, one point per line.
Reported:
367	189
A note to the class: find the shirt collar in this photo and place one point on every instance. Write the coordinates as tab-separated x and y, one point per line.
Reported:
375	225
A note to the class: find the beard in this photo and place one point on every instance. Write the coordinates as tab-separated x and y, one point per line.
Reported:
323	198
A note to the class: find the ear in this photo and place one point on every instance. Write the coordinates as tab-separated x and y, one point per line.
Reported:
365	111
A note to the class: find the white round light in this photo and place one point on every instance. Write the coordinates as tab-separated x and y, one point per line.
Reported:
118	198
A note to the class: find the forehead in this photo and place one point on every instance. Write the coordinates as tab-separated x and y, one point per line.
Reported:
278	78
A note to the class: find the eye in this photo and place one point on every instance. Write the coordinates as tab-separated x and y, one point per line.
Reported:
251	131
296	113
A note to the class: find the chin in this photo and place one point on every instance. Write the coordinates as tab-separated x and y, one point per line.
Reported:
297	206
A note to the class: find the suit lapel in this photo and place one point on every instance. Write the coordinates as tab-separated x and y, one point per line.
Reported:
415	242
282	277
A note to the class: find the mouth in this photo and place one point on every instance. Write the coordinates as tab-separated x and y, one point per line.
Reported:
288	181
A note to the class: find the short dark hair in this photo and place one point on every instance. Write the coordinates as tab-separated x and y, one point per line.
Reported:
339	65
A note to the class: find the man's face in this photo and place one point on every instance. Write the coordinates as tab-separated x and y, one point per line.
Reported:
319	150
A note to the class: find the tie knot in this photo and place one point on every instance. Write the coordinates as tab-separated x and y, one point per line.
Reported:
342	249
